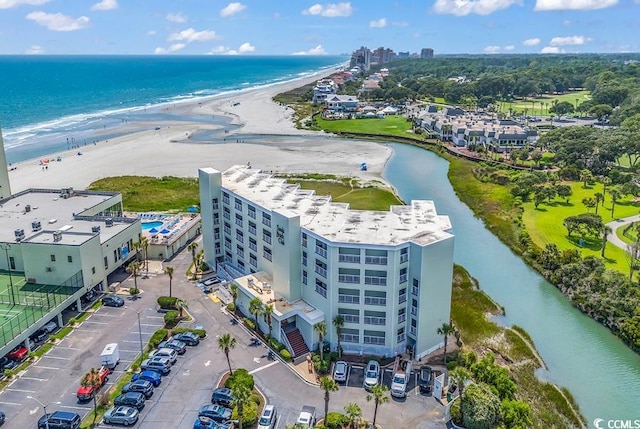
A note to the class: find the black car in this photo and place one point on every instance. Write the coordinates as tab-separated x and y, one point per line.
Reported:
424	379
39	335
189	338
174	344
222	396
141	386
6	363
131	399
59	420
112	301
2	418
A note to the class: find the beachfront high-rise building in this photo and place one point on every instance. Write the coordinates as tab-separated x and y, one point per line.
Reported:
5	186
426	54
361	58
386	274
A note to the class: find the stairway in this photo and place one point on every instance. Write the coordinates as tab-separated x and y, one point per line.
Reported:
297	343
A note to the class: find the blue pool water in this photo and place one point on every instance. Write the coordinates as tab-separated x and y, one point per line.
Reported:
148	225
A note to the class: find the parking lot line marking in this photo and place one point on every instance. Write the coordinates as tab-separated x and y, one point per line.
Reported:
129	351
94	321
11	403
79	329
263	367
153	325
131	341
76	407
19	390
155	317
46	367
58	346
34	378
55	357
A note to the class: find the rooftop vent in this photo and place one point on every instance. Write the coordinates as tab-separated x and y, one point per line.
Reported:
57	236
36	225
108	222
19	234
95	228
27	208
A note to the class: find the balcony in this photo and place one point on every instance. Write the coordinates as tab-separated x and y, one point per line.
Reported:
375	260
349	299
350	318
370	320
346	278
373	300
322	252
350	259
376	281
404	258
321	271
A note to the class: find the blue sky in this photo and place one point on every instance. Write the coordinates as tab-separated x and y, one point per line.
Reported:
284	27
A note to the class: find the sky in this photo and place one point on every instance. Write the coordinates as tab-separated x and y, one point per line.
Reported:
300	27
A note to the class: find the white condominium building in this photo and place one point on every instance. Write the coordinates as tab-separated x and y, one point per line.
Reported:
388	274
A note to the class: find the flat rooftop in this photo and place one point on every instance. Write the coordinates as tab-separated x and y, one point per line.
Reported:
417	222
54	213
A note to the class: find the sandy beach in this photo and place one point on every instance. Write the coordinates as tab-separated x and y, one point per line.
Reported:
164	148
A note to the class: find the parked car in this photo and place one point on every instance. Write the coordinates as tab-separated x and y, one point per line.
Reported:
18	353
189	338
268	417
121	415
59	420
215	412
50	327
2	418
166	352
208	281
131	399
158	364
39	335
86	393
340	371
141	386
176	345
204	423
424	379
6	363
152	377
112	301
372	374
222	396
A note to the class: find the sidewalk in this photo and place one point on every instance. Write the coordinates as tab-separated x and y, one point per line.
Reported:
614	225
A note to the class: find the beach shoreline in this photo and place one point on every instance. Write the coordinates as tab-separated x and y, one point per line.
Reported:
164	148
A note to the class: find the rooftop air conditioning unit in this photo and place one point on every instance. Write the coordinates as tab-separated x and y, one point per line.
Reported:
108	222
19	234
95	228
36	225
57	236
27	208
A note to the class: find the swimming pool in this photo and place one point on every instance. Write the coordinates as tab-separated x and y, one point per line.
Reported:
148	225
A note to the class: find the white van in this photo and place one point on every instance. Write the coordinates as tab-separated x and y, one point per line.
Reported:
268	418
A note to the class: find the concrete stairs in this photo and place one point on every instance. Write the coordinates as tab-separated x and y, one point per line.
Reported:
297	343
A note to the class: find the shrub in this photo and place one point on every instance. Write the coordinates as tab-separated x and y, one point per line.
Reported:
134	291
452	365
481	407
336	420
171	318
249	414
285	354
255	397
167	302
240	377
249	323
333	356
275	345
159	336
231	307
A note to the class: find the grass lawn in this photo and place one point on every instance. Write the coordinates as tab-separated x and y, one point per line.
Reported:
390	125
544	224
143	193
537	106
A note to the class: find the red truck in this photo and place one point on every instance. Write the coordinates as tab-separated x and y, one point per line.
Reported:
85	393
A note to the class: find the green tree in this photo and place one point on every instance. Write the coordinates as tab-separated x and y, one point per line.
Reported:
354	413
606	230
234	292
599	198
92	380
589	203
480	407
327	385
169	271
379	396
615	196
192	247
226	342
242	396
445	330
144	243
338	323
267	313
564	191
562	108
536	156
134	269
601	111
516	414
586	177
460	376
256	308
321	330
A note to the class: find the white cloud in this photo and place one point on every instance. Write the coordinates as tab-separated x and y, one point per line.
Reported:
466	7
221	49
173	48
574	4
105	5
318	50
378	23
551	50
178	17
231	9
491	49
330	10
246	47
571	40
509	48
8	4
190	35
151	33
531	42
58	21
34	50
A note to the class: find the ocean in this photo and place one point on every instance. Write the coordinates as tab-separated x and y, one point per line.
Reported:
52	103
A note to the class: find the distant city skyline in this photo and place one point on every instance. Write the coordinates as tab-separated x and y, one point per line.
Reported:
267	27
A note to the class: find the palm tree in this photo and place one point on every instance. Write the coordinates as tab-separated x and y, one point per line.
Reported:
605	182
327	384
255	308
169	271
586	177
136	247
459	376
353	412
192	247
267	312
242	396
599	197
144	243
606	230
92	379
338	323
234	292
379	396
134	269
615	196
445	330
321	329
226	342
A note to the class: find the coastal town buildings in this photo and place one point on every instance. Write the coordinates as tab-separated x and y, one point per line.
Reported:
386	274
426	54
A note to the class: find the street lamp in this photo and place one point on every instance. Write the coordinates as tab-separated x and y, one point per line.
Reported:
6	247
46	421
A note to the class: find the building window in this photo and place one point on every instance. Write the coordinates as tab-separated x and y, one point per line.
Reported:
400	335
227	228
251	212
70	259
415	287
227	243
402	295
216	233
304	277
350	335
348	275
225	198
376	278
239	236
253	260
321	268
266	219
252	228
266	252
403	275
53	258
218	250
304	258
321	249
228	256
375	318
349	315
239	251
374	337
253	245
321	288
375	257
93	270
226	213
237	204
413	329
349	296
214	203
374	297
414	307
106	263
404	255
239	220
266	236
304	239
349	255
216	219
241	264
402	315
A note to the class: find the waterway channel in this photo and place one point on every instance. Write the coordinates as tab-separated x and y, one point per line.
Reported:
598	369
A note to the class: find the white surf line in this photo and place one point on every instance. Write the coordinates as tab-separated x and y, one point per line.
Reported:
263	367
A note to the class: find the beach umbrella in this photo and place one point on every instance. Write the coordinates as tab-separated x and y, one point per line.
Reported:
165	231
153	230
